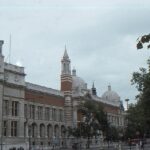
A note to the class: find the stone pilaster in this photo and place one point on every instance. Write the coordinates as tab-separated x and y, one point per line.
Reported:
21	120
1	102
75	116
9	128
38	131
68	111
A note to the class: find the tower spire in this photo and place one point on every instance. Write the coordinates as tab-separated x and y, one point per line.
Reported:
66	68
109	87
65	54
66	87
94	89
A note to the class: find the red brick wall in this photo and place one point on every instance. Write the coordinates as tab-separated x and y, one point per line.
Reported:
42	98
66	86
111	109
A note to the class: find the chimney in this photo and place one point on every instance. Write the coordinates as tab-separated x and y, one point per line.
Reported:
1	46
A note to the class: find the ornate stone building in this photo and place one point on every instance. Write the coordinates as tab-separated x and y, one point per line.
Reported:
34	116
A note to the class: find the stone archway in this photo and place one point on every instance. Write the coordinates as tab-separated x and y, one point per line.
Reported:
33	130
42	130
25	129
62	131
49	131
56	131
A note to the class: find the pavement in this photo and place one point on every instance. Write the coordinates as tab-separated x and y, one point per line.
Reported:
123	147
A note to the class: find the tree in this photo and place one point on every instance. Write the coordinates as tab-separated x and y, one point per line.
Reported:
141	110
94	112
138	115
94	121
142	40
136	121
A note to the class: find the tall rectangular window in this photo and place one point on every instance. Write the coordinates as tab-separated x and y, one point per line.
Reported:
51	114
5	128
58	115
5	107
25	110
32	111
54	114
15	108
61	115
40	112
14	128
47	113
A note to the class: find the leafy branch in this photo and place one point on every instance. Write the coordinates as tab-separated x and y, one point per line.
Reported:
142	40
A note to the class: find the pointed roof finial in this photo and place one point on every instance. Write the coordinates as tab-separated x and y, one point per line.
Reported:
94	89
74	71
65	53
93	86
65	47
109	87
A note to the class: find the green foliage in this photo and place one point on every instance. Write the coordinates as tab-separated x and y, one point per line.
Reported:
142	40
113	133
139	114
95	119
136	121
98	115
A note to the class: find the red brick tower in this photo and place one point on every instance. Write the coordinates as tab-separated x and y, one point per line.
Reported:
66	87
66	78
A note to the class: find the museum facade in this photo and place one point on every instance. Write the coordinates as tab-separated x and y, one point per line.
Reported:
35	116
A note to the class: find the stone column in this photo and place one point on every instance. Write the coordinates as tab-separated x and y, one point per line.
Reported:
68	111
75	117
9	128
1	102
46	133
38	131
59	131
21	120
27	131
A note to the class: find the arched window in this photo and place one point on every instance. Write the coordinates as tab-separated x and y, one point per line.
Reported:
34	130
25	129
56	131
62	131
42	130
49	131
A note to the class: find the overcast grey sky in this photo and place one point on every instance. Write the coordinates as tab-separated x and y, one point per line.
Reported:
100	36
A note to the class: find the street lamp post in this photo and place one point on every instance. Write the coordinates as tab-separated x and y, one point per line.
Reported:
127	100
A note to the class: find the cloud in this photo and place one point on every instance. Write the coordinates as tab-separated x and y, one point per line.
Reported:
100	38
